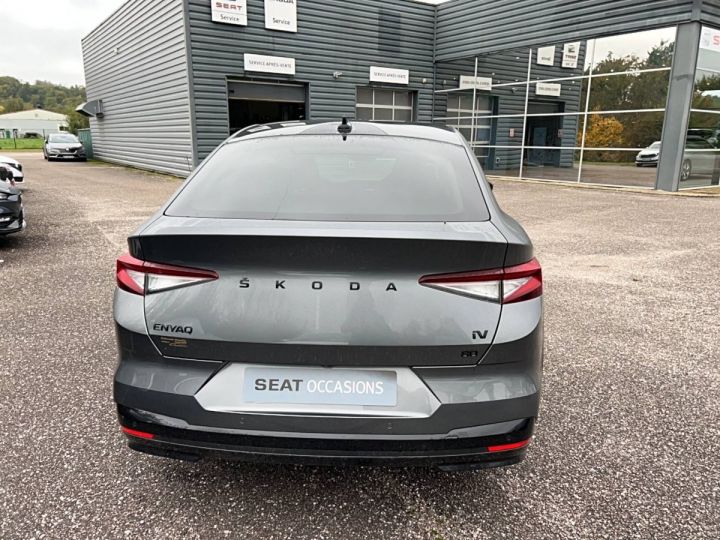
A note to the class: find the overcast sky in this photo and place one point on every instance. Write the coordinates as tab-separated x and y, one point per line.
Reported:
40	40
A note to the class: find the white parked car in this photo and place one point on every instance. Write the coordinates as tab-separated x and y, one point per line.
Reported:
15	167
649	157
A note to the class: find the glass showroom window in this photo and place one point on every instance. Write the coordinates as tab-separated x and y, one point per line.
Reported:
379	104
701	158
460	115
587	111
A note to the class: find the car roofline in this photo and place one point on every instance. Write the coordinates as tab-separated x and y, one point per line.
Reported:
436	132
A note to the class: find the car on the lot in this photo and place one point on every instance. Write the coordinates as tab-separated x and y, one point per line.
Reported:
11	207
332	293
700	158
63	146
649	157
15	167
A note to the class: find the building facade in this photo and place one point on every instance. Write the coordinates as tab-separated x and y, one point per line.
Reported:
33	123
544	89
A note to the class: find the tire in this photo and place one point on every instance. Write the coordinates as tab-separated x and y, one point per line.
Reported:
685	170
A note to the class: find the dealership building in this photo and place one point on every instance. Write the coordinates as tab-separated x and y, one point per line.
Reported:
615	92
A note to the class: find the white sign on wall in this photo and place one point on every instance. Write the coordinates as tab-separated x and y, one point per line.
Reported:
546	56
269	64
478	83
229	11
710	39
548	89
389	75
571	55
281	15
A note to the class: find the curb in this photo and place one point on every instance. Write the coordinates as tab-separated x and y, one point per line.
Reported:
616	189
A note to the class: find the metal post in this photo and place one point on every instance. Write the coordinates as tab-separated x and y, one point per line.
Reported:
679	102
472	121
587	108
527	99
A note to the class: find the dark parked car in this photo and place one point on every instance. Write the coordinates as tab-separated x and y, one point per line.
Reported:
63	146
11	207
328	294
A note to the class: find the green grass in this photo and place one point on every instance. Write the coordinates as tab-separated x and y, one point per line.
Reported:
22	144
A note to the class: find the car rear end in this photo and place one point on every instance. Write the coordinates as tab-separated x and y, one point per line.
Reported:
359	299
11	210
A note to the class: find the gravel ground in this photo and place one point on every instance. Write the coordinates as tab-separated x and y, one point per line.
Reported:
627	444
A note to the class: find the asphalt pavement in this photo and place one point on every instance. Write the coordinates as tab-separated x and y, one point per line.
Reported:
627	445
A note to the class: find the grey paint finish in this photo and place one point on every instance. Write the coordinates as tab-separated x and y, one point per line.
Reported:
407	315
677	114
332	36
468	27
136	62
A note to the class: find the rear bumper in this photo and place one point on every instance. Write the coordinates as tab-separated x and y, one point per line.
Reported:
481	406
507	446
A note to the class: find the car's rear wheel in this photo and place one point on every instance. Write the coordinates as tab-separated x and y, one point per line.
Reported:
685	170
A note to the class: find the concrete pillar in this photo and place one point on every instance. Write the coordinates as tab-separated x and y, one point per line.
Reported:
677	114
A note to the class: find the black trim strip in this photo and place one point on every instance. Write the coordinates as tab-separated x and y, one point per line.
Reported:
320	355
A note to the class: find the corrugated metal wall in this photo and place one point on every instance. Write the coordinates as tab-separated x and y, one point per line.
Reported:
711	12
332	36
136	62
466	27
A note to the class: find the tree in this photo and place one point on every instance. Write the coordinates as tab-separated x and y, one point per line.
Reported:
77	121
631	90
603	132
19	96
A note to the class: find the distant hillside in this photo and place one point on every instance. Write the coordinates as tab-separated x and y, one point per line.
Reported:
19	96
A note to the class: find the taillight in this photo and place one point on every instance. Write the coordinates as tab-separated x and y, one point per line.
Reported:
504	285
140	277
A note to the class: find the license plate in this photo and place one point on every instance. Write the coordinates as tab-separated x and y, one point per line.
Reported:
320	386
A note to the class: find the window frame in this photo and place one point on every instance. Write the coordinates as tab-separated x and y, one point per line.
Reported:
394	107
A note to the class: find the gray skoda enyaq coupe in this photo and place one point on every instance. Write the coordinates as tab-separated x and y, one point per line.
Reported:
332	293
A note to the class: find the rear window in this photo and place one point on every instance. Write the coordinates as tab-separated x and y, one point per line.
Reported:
323	178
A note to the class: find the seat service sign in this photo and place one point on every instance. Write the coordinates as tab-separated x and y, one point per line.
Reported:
281	15
230	12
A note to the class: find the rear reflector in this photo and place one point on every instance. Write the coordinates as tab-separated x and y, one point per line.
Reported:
140	277
505	285
136	433
508	447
